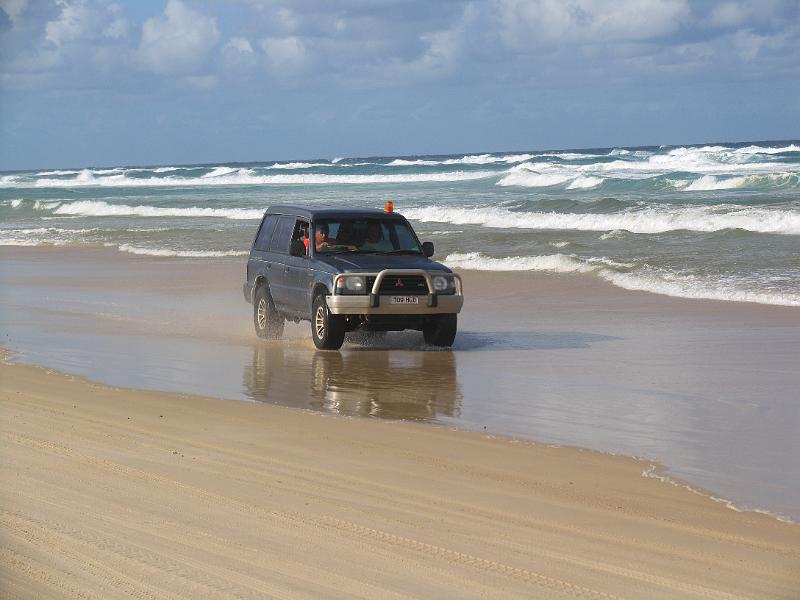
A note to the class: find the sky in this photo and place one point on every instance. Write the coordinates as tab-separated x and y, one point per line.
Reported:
111	82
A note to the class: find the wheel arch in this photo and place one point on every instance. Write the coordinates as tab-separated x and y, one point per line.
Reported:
319	289
260	281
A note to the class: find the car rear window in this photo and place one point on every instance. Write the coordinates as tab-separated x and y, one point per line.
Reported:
283	232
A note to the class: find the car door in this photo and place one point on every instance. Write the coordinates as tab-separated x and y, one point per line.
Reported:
257	263
299	277
278	257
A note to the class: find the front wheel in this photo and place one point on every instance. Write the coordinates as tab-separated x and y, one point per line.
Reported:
327	329
441	330
266	319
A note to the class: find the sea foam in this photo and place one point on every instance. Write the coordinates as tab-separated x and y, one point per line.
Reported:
667	284
180	253
99	208
644	220
246	177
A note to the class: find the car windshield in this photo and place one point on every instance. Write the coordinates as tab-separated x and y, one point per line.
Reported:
364	236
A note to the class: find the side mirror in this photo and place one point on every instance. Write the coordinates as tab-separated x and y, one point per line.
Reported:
298	248
427	249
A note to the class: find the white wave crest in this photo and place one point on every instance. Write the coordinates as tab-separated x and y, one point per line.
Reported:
219	172
559	263
585	183
35	204
42	236
526	178
643	220
402	162
298	165
180	253
667	284
475	159
246	177
709	182
767	149
51	173
99	208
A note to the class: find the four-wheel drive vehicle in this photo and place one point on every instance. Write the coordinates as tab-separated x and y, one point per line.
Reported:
347	270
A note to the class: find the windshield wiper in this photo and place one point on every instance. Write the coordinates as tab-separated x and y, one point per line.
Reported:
404	252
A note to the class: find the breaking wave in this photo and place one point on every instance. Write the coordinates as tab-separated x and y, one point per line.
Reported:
642	220
180	253
647	280
298	165
230	176
478	159
99	208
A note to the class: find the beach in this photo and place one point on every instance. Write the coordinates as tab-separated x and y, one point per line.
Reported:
595	216
157	448
112	492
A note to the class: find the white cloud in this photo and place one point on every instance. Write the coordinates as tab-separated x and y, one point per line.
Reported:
239	44
13	8
285	55
118	28
531	23
179	42
748	44
745	12
237	56
75	22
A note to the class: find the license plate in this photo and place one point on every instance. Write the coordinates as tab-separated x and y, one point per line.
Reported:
404	300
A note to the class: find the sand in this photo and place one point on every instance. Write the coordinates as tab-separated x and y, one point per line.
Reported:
111	493
708	388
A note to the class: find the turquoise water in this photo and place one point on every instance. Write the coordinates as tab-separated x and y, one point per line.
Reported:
704	221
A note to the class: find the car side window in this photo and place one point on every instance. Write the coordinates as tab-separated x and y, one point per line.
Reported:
300	233
283	232
265	233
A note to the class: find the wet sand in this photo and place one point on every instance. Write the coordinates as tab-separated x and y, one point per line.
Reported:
112	493
707	388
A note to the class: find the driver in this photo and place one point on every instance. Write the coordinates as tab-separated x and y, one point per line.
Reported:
374	238
321	239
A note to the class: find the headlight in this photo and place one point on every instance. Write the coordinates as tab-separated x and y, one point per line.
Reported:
443	284
353	284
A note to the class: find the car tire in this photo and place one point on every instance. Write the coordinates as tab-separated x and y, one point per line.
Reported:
327	329
441	330
267	320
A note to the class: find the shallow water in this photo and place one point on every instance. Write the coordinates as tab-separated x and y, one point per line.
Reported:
710	389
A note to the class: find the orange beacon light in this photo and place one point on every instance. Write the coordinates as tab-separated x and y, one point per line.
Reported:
388	207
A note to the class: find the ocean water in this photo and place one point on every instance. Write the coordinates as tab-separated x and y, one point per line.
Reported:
715	221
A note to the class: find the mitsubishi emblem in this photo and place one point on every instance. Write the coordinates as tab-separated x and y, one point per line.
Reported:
398	283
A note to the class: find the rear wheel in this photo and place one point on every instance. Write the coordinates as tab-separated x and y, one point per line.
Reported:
327	329
266	319
441	330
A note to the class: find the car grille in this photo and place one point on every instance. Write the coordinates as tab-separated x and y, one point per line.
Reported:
410	285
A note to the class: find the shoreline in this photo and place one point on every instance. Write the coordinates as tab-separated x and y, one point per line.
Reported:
652	468
598	364
584	503
563	265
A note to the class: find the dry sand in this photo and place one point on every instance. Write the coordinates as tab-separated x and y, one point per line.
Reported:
111	493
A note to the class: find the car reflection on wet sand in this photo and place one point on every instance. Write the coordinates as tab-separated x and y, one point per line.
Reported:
388	384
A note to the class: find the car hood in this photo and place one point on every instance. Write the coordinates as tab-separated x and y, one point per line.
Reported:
378	262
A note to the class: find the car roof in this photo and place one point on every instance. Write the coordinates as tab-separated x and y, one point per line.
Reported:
323	212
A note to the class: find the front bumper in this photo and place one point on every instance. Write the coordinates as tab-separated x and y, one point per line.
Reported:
378	304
